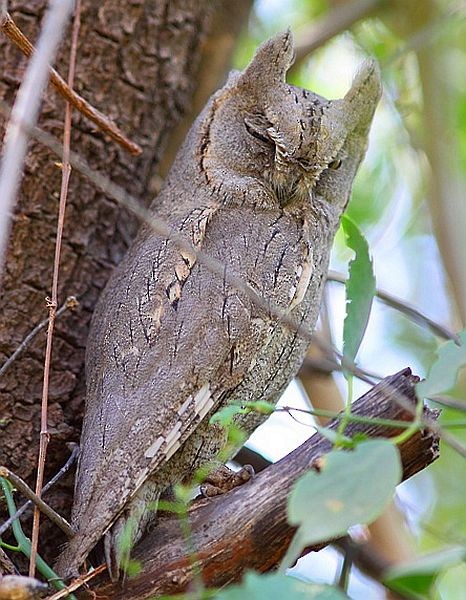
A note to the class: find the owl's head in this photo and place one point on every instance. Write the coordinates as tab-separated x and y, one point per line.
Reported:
302	146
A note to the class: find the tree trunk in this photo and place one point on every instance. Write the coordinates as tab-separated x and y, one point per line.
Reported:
137	63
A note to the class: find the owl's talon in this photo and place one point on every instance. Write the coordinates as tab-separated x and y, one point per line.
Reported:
223	479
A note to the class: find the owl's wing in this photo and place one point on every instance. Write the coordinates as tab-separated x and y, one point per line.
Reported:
169	339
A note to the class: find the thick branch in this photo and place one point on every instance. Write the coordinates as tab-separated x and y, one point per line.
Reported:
247	528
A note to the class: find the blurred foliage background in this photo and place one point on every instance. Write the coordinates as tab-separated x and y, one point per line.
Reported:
409	201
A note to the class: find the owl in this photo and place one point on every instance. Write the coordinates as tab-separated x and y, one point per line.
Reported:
259	185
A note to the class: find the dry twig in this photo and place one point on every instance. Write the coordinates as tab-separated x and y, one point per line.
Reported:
23	487
13	33
77	583
66	170
404	307
66	467
70	303
432	424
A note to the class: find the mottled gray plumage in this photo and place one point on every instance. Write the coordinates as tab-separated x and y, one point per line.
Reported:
259	184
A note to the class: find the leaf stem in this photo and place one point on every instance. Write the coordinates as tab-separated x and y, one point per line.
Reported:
10	547
415	425
347	413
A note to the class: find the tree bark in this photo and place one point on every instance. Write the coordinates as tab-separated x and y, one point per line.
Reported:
138	63
247	528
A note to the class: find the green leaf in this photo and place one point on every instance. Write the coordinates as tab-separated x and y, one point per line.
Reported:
225	415
132	567
416	579
444	372
451	581
236	436
260	406
351	487
360	290
277	586
332	436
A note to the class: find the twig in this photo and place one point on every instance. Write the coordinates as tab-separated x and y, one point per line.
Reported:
332	353
327	365
65	90
434	427
6	566
25	112
23	487
77	583
332	414
450	402
70	303
66	467
365	556
66	170
341	18
404	307
342	579
426	421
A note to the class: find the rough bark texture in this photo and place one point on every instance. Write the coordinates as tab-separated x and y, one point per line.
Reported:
138	63
247	528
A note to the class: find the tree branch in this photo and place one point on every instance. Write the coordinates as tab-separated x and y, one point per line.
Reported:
336	21
247	528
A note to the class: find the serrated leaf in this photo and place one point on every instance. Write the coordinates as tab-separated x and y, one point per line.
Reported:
415	579
444	372
277	586
360	290
352	487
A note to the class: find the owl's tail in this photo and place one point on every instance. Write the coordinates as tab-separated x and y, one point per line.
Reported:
118	541
73	556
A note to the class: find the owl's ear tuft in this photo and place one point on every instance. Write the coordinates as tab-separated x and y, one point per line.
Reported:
271	61
361	100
